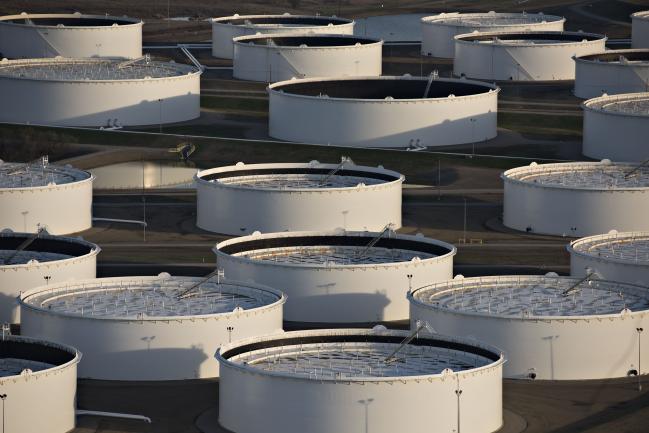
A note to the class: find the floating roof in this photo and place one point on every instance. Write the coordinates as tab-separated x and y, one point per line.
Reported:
626	104
306	41
490	19
33	175
43	249
278	20
67	20
625	247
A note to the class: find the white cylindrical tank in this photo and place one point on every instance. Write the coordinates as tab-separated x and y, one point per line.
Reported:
549	327
640	29
225	29
612	72
338	277
383	111
144	175
523	56
150	328
98	92
39	385
576	199
280	57
46	260
614	256
339	381
241	199
27	36
616	127
438	31
39	195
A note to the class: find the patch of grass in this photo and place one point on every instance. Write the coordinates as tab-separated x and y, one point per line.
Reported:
542	125
226	103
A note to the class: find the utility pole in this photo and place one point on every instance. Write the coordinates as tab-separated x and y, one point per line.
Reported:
639	331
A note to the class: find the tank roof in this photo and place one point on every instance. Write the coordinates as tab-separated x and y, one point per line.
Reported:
74	20
490	19
38	174
305	41
277	20
150	298
95	69
316	249
45	248
382	88
356	355
625	247
631	57
291	177
582	175
530	37
627	104
529	297
18	354
643	15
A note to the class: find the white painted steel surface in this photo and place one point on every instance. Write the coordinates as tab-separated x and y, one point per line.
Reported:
165	339
523	56
69	35
242	199
383	111
356	396
43	399
613	256
640	29
612	72
58	198
50	259
438	31
224	29
97	92
578	199
328	278
281	57
616	127
538	341
143	174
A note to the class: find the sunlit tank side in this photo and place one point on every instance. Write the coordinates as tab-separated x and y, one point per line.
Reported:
98	92
245	198
616	127
280	57
42	195
339	381
144	175
612	72
225	29
27	36
38	380
338	277
150	328
640	29
549	327
385	111
47	260
438	31
576	199
523	56
613	256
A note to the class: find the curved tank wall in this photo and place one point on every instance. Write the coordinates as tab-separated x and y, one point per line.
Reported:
612	72
640	29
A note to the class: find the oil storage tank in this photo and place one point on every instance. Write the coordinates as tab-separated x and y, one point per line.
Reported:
616	127
612	72
244	198
549	327
150	328
339	277
640	29
438	31
616	256
225	29
576	199
359	380
38	194
98	92
523	56
27	36
279	57
39	385
29	260
385	111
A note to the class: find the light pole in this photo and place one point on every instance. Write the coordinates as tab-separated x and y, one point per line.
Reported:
160	104
458	393
639	331
3	397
